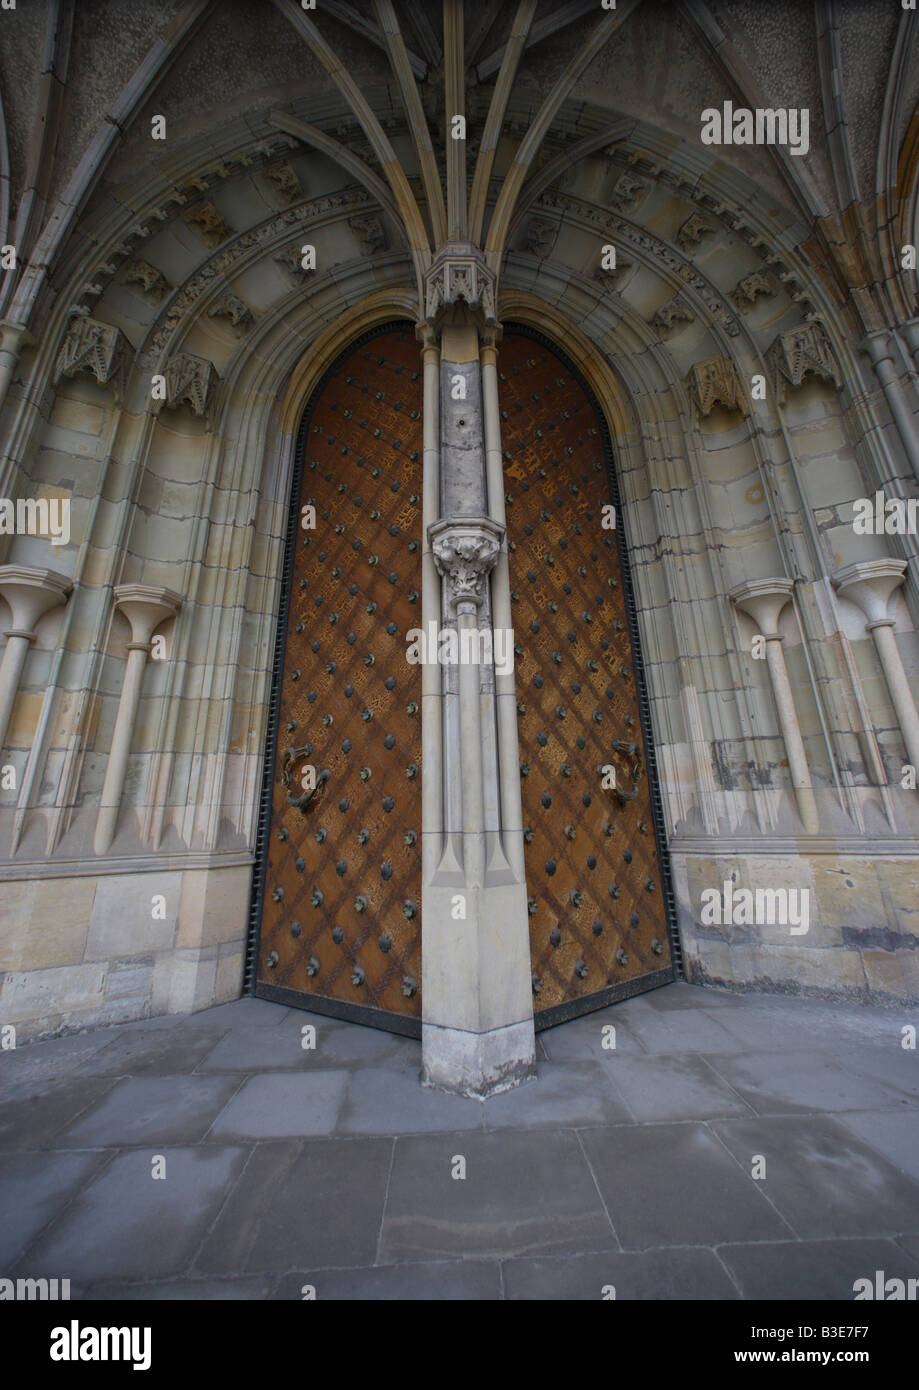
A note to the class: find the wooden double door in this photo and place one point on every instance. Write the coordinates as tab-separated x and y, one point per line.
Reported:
338	883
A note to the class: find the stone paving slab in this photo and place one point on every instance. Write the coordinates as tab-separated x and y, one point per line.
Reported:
331	1166
819	1269
824	1180
34	1189
127	1226
692	1192
439	1281
524	1191
652	1274
44	1110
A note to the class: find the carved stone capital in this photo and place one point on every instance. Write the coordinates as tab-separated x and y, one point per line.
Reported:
30	593
97	348
190	381
763	600
799	353
145	606
715	381
869	584
465	552
459	275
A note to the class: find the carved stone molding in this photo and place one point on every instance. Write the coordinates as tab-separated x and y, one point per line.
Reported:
671	315
230	306
459	274
689	235
614	228
746	292
151	280
274	228
98	349
370	232
465	552
715	381
801	352
189	381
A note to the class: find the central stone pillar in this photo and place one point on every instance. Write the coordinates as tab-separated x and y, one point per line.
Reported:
477	1021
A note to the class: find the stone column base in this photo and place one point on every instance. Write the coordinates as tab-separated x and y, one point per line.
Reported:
478	1065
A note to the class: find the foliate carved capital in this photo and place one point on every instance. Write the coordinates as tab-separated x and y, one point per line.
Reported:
715	381
97	348
189	381
799	353
465	552
459	275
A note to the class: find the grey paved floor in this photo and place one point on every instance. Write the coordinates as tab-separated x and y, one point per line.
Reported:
333	1168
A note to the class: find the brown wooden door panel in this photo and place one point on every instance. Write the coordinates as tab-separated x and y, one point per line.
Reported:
341	913
598	919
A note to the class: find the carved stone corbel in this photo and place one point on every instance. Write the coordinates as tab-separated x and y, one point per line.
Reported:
190	381
459	275
715	381
801	352
98	349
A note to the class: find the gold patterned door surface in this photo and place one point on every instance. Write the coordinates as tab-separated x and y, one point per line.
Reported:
341	895
597	894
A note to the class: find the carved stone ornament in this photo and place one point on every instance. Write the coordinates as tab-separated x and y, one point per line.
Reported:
189	381
746	292
465	552
229	306
627	191
283	180
370	232
801	352
148	277
692	231
541	236
204	219
670	315
291	258
97	348
715	381
458	274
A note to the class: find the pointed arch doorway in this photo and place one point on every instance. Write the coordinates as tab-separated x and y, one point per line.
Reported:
599	891
336	920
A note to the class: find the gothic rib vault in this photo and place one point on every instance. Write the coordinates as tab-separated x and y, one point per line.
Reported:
133	767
